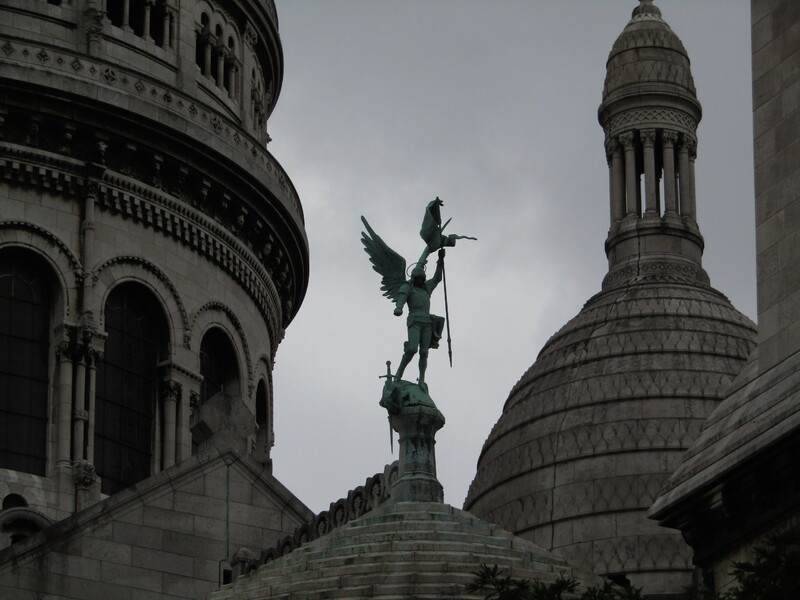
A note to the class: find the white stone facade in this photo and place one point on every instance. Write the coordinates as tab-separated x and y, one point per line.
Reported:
162	252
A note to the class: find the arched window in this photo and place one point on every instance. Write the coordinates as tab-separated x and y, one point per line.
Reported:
218	365
127	386
115	11
25	301
202	46
262	420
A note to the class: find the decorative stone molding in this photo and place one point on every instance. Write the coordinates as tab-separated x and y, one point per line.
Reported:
51	239
670	137
136	84
650	116
194	401
84	474
150	268
170	390
358	502
626	139
259	273
250	35
661	272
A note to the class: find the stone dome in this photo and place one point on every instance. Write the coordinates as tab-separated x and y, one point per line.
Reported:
646	55
593	429
401	550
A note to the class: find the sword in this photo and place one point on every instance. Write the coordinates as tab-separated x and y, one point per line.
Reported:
388	378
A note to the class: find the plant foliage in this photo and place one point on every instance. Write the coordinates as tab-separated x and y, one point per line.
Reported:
496	586
772	574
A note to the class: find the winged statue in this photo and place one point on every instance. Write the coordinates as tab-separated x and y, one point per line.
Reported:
424	329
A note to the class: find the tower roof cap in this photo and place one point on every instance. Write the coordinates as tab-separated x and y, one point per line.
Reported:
646	7
648	57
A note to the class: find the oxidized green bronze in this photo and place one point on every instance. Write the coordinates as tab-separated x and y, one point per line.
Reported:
424	329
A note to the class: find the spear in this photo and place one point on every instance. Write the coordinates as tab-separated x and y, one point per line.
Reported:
446	307
447	314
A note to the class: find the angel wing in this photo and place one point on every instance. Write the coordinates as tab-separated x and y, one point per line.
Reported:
388	263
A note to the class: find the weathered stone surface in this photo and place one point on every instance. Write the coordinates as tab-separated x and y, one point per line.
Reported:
593	429
402	550
154	550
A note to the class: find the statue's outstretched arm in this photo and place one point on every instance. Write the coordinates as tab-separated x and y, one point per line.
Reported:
437	275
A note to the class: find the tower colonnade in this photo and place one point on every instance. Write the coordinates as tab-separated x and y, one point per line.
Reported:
662	160
591	432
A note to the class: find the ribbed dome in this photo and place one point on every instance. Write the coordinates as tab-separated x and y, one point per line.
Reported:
647	53
594	428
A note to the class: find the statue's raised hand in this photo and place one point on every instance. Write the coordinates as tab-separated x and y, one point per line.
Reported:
398	312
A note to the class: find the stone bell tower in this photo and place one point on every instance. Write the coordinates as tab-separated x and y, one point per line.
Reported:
650	114
591	432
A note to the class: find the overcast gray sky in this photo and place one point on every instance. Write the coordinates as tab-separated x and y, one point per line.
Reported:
492	106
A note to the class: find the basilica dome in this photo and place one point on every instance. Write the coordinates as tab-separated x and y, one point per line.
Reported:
592	430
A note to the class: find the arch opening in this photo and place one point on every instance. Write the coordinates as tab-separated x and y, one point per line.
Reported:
127	386
26	304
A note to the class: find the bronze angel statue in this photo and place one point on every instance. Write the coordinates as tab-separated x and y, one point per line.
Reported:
424	329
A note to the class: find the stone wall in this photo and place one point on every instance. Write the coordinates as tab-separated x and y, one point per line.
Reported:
776	129
167	537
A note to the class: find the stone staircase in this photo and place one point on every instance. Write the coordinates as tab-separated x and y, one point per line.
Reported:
400	550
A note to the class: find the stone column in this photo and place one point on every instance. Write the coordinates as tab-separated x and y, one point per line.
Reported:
648	137
631	183
79	413
685	179
692	191
166	42
92	372
171	394
231	83
207	43
668	139
220	66
617	182
148	7
416	479
63	453
184	391
126	10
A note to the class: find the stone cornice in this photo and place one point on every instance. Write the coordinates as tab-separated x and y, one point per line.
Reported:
154	208
57	62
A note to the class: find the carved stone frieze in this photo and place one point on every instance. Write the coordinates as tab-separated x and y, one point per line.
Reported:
645	116
84	474
664	272
170	390
358	502
98	71
173	217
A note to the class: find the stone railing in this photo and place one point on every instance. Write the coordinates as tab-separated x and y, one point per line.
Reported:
359	501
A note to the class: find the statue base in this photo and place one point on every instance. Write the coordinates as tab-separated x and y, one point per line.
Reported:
414	416
400	394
